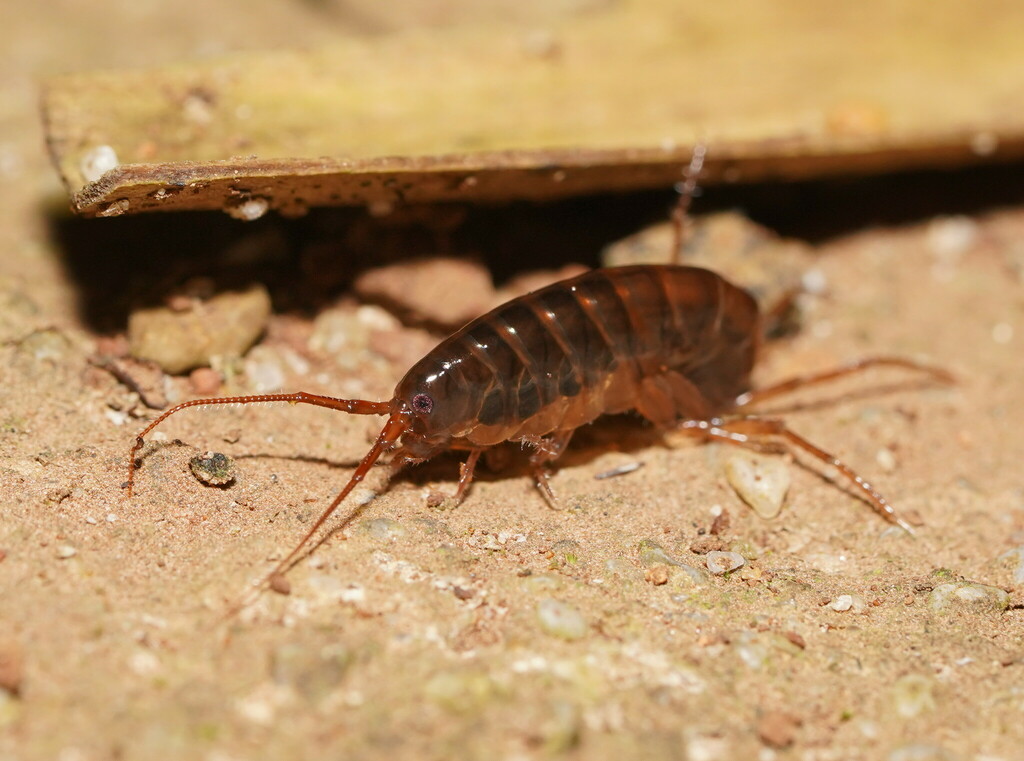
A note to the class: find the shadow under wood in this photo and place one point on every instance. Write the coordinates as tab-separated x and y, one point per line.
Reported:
122	263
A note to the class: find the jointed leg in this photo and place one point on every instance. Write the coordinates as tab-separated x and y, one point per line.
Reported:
466	475
466	471
743	430
548	449
813	379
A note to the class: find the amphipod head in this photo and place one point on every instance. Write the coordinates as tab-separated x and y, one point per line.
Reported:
437	404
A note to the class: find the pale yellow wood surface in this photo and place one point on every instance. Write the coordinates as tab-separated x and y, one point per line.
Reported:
606	100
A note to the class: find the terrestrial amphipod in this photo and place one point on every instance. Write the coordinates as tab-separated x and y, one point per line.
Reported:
676	344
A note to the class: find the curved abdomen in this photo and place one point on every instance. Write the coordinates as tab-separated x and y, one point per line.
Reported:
668	341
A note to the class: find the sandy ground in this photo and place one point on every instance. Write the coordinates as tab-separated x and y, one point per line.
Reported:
502	628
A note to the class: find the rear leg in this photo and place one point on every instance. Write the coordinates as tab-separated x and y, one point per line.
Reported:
860	365
746	430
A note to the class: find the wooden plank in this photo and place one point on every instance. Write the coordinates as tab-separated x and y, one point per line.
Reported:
611	100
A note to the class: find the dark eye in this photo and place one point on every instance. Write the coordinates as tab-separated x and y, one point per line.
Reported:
422	403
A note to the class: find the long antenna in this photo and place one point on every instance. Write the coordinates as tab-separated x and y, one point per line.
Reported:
353	406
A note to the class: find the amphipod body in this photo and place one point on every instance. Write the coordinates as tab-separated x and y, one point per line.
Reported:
677	344
671	342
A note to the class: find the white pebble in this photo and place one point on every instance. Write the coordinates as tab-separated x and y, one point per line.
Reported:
968	596
352	593
853	603
886	460
1012	555
96	162
723	562
264	370
761	482
66	551
561	619
363	496
814	281
376	318
144	663
117	417
950	237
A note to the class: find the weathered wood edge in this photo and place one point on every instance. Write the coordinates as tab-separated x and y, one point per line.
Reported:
292	185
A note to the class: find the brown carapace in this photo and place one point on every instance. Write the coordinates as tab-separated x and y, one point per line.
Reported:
677	344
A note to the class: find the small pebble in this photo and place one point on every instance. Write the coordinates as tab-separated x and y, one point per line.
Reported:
265	370
225	325
1013	558
384	529
12	670
971	596
777	729
279	583
657	575
48	345
66	551
886	460
436	499
213	468
560	619
761	482
622	568
719	563
853	603
205	381
948	238
752	649
652	554
444	291
796	639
